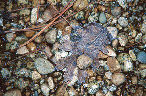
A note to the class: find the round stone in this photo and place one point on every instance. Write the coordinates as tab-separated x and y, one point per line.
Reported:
83	61
123	21
51	36
102	18
118	78
43	66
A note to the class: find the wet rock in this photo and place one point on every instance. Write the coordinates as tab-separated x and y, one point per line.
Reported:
113	31
123	39
113	64
29	33
45	89
84	61
123	21
116	11
22	50
14	92
35	75
51	36
51	83
118	78
34	12
5	73
141	57
10	36
80	4
43	66
31	46
102	18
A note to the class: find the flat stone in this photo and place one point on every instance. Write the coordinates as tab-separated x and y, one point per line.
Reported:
43	66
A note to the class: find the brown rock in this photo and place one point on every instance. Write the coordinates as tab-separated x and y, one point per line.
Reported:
102	55
118	78
80	4
113	64
83	61
29	33
31	46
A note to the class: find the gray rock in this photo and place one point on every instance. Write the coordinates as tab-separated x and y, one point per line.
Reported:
143	28
102	18
25	12
45	89
5	73
51	36
113	31
141	57
123	39
80	15
10	36
23	72
118	78
14	92
22	50
21	83
116	11
35	75
34	15
1	22
122	3
12	45
93	88
123	21
43	66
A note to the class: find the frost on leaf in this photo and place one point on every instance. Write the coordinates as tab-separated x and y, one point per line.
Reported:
88	40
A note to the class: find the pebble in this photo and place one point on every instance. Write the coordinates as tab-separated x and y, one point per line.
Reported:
14	92
35	75
144	39
116	11
78	5
10	36
84	61
21	83
118	78
123	39
31	46
138	37
132	55
48	51
141	57
113	64
45	89
43	66
1	22
22	2
47	15
53	2
51	83
102	55
51	36
111	52
102	18
23	72
112	88
128	65
38	39
93	88
134	80
122	3
34	12
21	39
115	43
5	73
99	93
29	33
80	15
108	75
113	31
123	21
22	50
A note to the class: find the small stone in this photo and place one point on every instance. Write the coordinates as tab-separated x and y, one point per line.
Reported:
22	2
99	93
113	64
116	11
128	66
113	31
134	80
23	72
10	36
45	89
138	37
53	2
122	3
34	12
109	94
111	52
101	55
141	57
118	78
108	75
115	43
84	61
143	28
73	92
80	15
112	88
21	83
144	39
132	55
78	5
35	75
5	73
51	36
123	39
43	66
21	39
29	33
31	46
123	21
14	92
102	18
51	83
93	88
22	50
38	39
48	51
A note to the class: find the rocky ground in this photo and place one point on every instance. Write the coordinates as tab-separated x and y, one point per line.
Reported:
31	70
